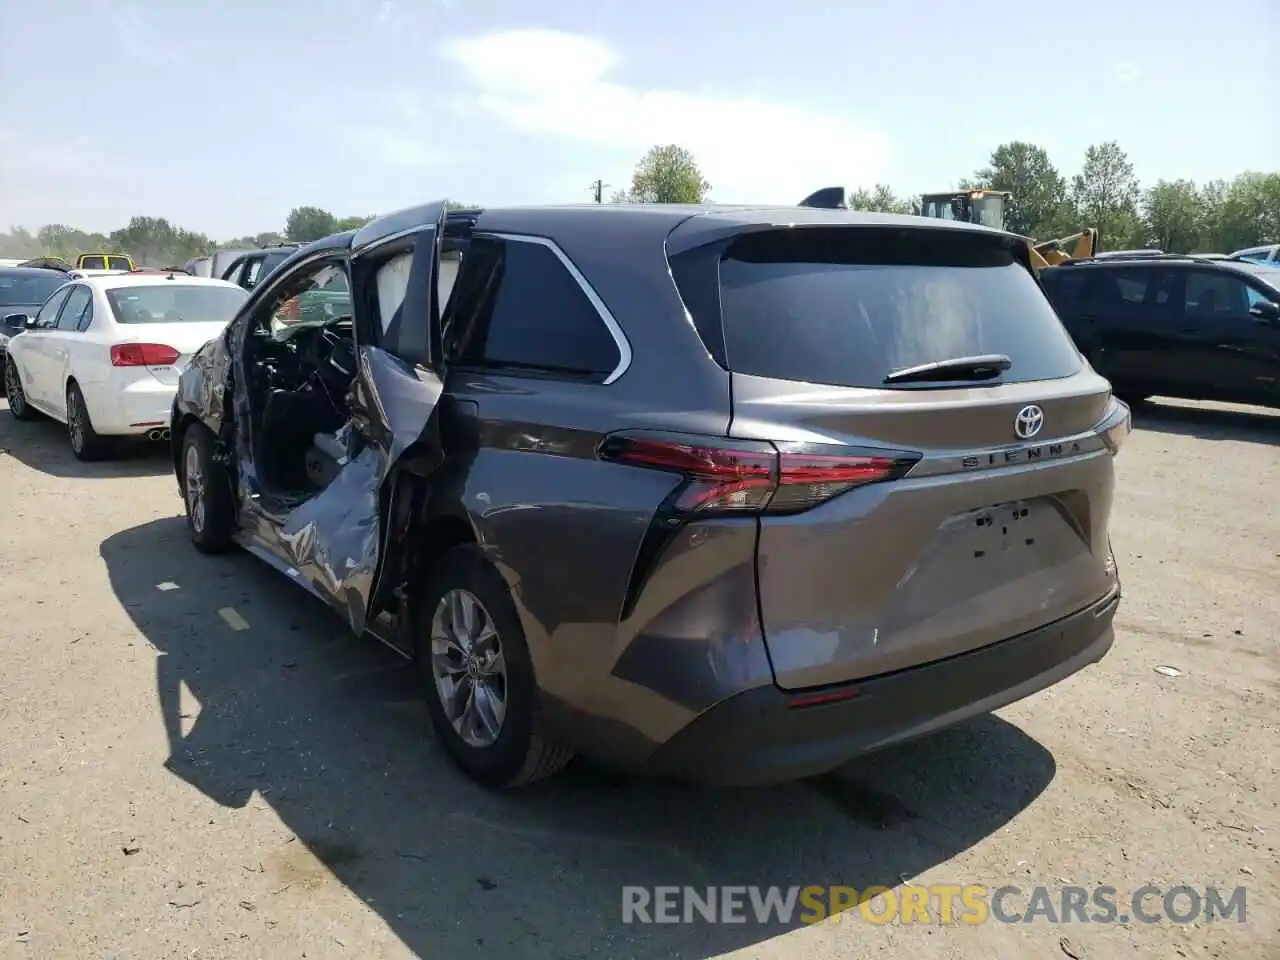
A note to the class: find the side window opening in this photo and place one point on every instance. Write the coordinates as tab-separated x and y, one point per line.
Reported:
49	312
1215	295
315	298
77	303
518	307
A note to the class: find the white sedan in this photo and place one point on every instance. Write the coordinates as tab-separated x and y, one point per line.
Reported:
103	353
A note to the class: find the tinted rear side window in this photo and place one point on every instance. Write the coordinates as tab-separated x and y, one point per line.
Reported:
847	306
518	307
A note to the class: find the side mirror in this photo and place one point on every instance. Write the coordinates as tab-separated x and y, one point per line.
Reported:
1266	311
17	321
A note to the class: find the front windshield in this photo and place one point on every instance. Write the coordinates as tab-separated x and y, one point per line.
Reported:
17	290
316	299
175	303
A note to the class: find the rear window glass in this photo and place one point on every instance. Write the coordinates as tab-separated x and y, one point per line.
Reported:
24	291
848	306
175	303
117	263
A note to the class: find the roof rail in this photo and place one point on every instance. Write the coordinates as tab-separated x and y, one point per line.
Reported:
1138	258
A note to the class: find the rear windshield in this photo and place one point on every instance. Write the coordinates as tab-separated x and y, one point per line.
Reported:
175	303
24	291
848	306
117	263
93	263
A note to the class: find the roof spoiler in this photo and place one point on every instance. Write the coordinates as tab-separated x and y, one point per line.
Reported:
828	198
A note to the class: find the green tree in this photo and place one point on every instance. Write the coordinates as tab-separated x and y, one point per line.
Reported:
305	224
1038	206
1246	213
880	199
1105	195
667	174
1171	216
350	223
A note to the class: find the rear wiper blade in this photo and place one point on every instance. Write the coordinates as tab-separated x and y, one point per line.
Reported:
985	367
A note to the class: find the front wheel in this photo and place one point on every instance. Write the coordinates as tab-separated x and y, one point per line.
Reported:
481	694
19	409
206	492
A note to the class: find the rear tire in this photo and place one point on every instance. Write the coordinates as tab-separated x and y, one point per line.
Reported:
86	443
206	492
519	751
19	409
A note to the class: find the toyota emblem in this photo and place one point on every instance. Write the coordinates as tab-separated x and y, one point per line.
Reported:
1028	421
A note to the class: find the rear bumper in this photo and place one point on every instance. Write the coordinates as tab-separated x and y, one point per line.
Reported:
130	408
758	737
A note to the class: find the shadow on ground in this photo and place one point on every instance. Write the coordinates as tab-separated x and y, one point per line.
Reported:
330	731
1218	422
43	445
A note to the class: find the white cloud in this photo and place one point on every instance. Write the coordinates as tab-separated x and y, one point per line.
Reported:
138	41
386	10
750	148
1128	72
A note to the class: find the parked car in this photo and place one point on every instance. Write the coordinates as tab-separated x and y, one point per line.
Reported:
249	269
1176	326
48	263
22	291
729	494
105	261
1270	253
103	353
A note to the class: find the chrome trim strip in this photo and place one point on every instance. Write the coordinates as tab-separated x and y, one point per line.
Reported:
375	245
615	330
983	459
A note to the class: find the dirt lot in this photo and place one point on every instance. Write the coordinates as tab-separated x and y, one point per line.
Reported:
171	786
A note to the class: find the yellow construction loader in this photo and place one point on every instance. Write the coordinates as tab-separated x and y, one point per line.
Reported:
987	207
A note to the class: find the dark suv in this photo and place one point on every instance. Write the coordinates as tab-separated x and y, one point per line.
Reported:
730	494
252	267
1176	326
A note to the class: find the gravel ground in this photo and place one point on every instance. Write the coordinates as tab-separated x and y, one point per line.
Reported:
177	784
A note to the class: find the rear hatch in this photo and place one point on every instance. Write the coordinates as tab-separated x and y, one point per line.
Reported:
993	521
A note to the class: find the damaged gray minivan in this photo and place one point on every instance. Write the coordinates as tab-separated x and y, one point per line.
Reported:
729	494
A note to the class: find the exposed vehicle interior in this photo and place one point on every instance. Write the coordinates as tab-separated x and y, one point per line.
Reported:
300	361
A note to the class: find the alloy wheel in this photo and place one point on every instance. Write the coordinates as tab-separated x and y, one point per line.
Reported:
13	388
468	666
193	481
75	421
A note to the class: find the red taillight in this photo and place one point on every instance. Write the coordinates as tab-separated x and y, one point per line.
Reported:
143	355
720	477
754	476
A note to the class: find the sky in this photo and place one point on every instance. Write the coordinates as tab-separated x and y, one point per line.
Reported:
222	117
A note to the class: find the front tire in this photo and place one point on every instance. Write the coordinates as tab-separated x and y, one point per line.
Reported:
86	443
481	693
206	492
19	409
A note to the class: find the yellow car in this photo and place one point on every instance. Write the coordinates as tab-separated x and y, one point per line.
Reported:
105	261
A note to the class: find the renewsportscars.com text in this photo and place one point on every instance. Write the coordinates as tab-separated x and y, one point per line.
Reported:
932	904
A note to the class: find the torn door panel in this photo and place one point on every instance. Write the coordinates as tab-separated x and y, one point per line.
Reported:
336	539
